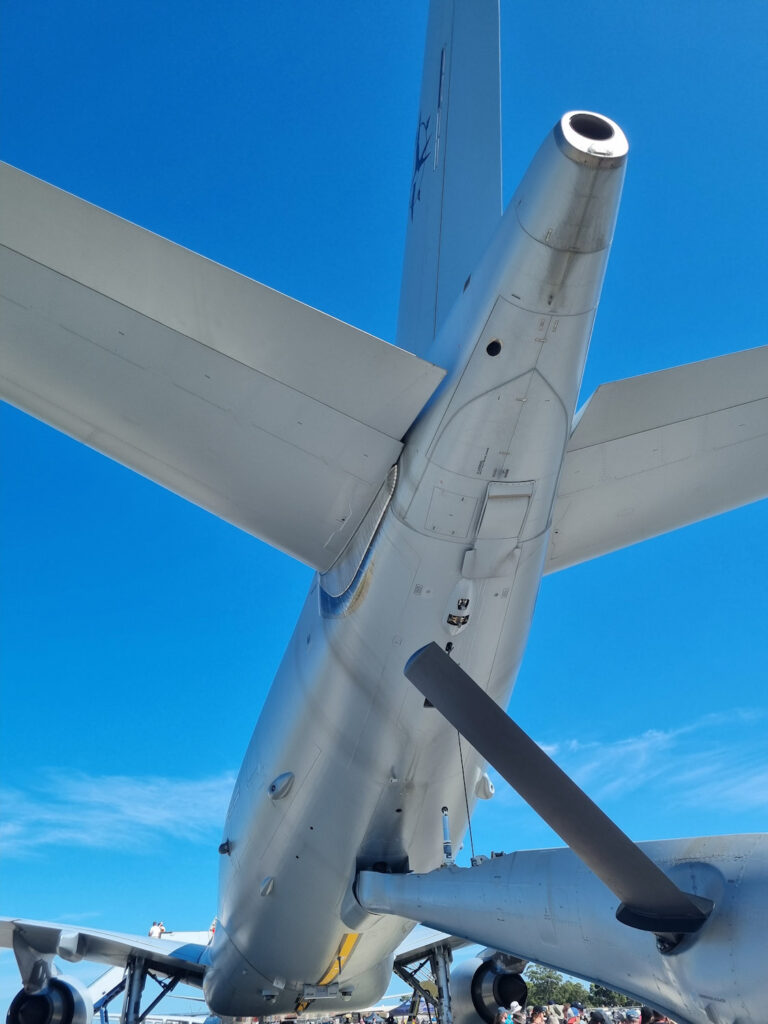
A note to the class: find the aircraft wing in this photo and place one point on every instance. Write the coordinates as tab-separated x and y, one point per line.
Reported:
266	412
422	939
175	958
652	453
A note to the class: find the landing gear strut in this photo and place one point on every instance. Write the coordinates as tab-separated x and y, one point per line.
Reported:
429	976
132	983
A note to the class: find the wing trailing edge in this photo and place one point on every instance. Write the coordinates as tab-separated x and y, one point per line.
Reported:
422	940
266	412
656	452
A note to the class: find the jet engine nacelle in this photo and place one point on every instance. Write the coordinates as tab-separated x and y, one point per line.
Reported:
480	986
62	1001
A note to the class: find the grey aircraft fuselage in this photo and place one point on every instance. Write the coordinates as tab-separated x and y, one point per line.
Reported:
347	769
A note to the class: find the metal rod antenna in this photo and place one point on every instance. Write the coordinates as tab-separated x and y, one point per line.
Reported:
447	848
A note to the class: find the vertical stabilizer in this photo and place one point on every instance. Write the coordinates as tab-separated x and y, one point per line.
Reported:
455	196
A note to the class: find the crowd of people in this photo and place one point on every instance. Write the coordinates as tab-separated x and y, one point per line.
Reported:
576	1013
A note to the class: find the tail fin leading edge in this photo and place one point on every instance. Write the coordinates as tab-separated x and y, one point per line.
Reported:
455	196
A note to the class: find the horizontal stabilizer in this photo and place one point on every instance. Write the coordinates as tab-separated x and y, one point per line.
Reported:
174	958
652	453
266	412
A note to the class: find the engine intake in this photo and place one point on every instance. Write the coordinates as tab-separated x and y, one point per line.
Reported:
62	1001
479	987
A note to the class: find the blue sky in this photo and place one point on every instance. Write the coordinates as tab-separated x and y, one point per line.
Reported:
139	634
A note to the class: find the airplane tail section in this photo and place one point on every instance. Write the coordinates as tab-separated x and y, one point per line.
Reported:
455	194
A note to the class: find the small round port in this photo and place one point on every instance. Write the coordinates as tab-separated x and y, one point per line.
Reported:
493	347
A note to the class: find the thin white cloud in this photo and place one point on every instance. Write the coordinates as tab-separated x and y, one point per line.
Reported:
714	761
112	811
717	760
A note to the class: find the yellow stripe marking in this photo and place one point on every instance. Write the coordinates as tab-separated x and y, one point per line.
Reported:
343	953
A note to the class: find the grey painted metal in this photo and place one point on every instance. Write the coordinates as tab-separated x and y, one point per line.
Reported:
441	962
546	906
372	767
256	326
264	411
186	959
45	991
136	978
341	574
421	940
650	900
455	195
166	987
481	984
35	963
108	985
655	452
62	1001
